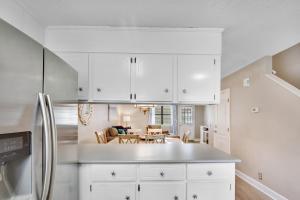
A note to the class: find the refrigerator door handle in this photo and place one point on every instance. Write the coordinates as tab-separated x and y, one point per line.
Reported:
54	143
48	145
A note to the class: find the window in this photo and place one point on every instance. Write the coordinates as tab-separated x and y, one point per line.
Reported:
187	115
162	115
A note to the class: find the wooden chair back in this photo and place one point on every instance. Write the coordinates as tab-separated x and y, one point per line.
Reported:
185	138
101	137
154	132
155	139
129	139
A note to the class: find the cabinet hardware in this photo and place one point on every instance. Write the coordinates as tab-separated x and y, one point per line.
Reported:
130	96
214	61
127	197
184	91
214	96
98	90
113	173
195	196
131	60
176	198
139	187
80	89
91	188
162	174
135	60
134	96
166	90
230	187
209	173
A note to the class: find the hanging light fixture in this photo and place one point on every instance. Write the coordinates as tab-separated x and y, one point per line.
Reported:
144	107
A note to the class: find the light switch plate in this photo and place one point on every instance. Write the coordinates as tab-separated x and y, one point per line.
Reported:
246	82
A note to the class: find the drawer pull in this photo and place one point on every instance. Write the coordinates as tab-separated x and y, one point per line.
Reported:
195	196
113	173
176	198
209	173
162	174
127	197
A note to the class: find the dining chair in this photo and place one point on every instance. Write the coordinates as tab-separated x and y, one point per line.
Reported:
129	139
154	131
101	137
155	139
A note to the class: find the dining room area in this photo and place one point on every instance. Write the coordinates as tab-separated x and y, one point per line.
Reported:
139	123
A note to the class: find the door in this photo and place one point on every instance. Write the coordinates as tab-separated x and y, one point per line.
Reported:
110	77
61	82
162	191
198	78
113	191
21	79
153	80
210	190
222	128
80	62
60	79
186	119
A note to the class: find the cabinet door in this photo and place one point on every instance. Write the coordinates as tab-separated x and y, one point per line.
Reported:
162	191
113	191
110	77
210	190
198	78
80	62
153	79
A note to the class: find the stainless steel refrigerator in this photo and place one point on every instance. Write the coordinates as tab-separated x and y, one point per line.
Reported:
38	100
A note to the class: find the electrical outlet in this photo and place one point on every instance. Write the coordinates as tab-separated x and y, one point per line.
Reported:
260	176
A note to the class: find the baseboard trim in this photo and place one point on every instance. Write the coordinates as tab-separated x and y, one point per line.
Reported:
261	187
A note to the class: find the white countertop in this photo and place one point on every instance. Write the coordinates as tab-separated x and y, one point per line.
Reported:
152	153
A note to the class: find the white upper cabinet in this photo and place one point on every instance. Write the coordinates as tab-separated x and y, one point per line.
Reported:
153	80
198	78
110	77
80	62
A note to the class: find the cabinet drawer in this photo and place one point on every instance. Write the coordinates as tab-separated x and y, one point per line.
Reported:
113	191
117	172
163	172
210	171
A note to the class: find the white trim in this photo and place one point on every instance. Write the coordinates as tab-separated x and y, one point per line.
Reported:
261	187
132	28
284	84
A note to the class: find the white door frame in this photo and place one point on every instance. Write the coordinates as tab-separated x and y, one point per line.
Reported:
222	140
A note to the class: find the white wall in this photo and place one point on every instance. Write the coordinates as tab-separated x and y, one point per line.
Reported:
16	15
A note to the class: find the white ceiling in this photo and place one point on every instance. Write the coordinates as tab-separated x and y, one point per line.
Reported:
253	28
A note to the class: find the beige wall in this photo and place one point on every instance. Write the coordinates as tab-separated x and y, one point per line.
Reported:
268	141
287	65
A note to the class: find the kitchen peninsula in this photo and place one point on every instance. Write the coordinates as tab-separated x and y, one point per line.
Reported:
174	171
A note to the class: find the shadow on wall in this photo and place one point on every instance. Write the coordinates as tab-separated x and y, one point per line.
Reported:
287	65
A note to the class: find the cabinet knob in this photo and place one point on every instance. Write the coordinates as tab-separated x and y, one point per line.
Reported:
209	173
162	174
184	91
176	198
80	89
166	90
113	173
195	196
127	197
98	90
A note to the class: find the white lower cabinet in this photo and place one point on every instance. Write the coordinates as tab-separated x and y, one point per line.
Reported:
209	181
217	190
162	191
